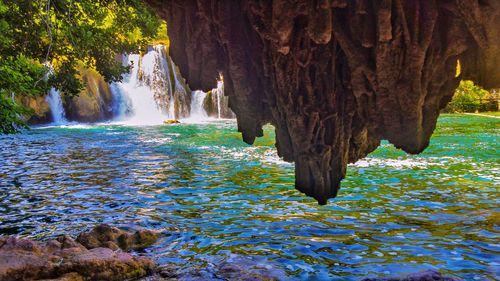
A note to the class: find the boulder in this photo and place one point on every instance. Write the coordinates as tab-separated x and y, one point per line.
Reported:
93	103
111	237
41	110
65	259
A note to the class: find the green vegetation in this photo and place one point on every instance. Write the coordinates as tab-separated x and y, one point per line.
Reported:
43	43
470	98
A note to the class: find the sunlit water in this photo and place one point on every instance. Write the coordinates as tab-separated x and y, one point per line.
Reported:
217	198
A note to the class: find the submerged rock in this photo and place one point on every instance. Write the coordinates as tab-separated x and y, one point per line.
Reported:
234	268
171	121
107	236
66	259
427	275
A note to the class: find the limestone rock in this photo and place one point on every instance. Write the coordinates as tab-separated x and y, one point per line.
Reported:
64	259
94	103
111	237
171	121
334	77
67	277
40	107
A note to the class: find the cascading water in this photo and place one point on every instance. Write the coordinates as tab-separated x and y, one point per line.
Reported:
121	103
216	103
151	93
198	111
219	93
56	107
147	95
180	100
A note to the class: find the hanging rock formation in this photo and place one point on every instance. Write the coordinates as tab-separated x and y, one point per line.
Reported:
335	76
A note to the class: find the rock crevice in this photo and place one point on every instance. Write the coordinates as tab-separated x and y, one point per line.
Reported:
335	77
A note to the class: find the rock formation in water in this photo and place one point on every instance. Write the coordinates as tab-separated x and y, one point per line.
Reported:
335	77
99	258
94	103
111	237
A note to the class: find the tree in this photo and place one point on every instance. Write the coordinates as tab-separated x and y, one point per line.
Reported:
468	98
43	43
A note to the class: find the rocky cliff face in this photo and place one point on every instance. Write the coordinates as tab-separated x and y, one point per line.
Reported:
94	103
335	76
40	107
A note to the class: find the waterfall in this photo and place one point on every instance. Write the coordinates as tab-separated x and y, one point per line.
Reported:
121	103
56	107
152	92
197	105
219	92
144	96
180	99
217	104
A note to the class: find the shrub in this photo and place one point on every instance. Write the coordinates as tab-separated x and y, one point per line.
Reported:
469	98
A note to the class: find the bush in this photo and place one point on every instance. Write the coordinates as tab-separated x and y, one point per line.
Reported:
469	98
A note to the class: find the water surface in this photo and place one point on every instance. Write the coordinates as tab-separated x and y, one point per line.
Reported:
218	198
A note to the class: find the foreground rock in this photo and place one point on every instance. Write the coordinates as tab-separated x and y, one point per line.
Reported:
240	268
335	77
66	259
111	237
428	275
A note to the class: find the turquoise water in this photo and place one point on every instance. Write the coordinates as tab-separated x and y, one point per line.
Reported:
218	199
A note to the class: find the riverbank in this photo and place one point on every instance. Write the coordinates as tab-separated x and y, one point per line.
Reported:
486	114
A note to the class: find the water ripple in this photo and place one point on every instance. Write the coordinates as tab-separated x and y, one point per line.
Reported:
219	199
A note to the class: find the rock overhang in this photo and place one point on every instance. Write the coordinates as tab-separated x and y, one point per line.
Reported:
335	77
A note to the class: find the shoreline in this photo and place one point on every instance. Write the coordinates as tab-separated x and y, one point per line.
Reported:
481	115
104	253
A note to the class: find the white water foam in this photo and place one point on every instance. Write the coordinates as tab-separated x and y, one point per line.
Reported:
137	103
198	113
56	107
220	92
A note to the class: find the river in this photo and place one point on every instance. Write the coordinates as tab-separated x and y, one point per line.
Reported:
216	198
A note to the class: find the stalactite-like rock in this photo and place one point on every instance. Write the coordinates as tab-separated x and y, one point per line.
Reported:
335	77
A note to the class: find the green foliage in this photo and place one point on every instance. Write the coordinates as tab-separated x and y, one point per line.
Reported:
20	74
11	114
468	98
66	35
161	36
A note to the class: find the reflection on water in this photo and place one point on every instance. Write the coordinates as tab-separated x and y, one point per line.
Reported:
218	198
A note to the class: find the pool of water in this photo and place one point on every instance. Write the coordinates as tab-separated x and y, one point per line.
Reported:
217	198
